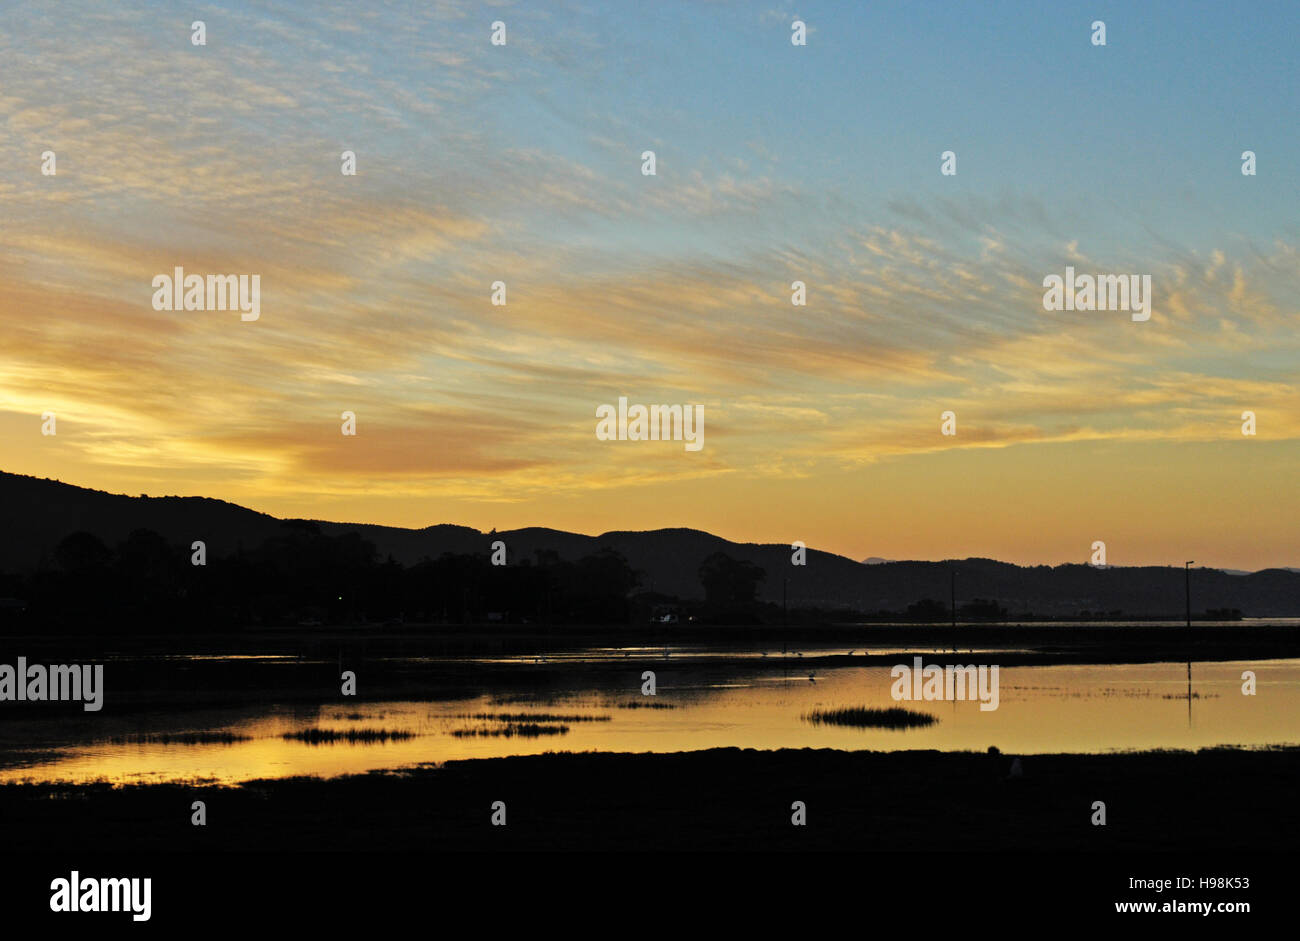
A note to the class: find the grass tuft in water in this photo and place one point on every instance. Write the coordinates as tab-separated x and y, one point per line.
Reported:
521	729
861	718
531	717
325	736
180	738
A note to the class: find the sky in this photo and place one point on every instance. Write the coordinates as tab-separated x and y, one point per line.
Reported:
522	163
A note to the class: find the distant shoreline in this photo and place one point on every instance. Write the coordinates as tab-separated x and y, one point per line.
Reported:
181	671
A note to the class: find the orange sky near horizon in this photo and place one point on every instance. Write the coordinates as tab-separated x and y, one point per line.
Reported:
522	164
1002	503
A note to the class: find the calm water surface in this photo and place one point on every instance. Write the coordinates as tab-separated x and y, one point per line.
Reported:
1042	709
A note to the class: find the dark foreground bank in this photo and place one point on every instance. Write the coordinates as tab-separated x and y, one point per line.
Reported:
1219	800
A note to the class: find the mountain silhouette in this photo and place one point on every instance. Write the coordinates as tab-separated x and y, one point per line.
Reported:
37	514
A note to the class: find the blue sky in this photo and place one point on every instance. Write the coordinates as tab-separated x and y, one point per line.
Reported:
521	163
1147	130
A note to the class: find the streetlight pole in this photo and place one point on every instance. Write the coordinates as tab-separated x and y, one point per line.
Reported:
785	623
953	600
1187	572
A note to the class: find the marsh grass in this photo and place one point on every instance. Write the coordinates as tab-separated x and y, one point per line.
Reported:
520	729
861	718
181	738
531	717
354	736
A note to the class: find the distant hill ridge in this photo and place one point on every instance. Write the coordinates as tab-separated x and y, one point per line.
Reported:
36	514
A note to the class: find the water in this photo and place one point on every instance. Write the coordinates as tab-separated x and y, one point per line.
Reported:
1057	708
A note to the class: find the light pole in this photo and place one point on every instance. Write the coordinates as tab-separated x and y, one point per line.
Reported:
953	599
1187	572
785	622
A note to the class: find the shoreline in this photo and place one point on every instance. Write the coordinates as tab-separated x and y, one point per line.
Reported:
182	672
717	799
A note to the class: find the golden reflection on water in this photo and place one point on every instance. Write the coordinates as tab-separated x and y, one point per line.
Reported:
1042	709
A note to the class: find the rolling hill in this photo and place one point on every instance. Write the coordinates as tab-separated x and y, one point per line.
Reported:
36	514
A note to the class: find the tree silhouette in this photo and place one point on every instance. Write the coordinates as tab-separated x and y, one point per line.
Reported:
82	552
729	581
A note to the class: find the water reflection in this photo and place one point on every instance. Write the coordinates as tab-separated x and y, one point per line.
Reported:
1042	709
